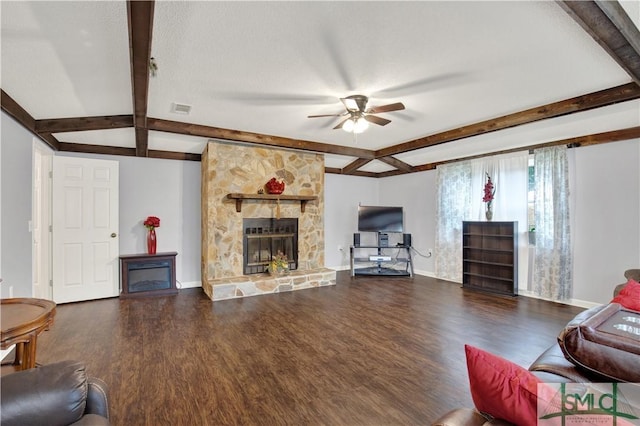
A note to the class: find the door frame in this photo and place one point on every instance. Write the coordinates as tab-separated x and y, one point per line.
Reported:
41	221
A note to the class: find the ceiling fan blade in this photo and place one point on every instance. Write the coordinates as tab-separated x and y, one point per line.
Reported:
386	108
377	120
340	124
324	115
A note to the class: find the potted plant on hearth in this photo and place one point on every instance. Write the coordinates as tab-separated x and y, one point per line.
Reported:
279	264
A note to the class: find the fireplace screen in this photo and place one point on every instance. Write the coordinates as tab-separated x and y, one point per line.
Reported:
264	238
147	276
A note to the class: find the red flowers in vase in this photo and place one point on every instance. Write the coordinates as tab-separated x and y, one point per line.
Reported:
151	223
489	192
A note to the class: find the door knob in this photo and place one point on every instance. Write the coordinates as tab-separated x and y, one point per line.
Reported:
113	235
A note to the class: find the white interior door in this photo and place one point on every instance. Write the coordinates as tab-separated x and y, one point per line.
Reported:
85	229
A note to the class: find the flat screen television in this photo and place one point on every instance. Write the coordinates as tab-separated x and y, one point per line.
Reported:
380	219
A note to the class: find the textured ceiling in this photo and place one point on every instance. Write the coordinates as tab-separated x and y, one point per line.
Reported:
263	67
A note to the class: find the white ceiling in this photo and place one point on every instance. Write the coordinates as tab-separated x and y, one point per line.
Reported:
263	67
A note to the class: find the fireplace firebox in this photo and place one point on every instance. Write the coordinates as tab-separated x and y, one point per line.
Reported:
264	238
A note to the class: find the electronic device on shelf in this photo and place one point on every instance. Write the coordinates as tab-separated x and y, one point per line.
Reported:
380	258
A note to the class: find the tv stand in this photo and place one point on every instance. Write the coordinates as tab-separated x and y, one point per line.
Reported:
381	261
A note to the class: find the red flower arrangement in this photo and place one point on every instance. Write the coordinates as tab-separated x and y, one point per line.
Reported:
152	222
489	191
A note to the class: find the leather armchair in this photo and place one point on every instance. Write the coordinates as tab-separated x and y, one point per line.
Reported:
54	394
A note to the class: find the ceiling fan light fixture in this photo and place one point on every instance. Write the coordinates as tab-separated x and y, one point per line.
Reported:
355	125
361	125
348	125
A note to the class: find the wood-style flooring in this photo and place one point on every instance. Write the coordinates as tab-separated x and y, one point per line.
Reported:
368	351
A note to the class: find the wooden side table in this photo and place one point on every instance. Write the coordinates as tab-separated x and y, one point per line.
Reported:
23	319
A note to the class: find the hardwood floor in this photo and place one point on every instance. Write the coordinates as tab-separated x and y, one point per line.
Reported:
368	351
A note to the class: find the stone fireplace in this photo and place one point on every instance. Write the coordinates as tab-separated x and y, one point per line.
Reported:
234	168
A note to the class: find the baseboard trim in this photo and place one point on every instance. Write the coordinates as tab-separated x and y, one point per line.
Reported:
573	302
339	268
429	274
189	284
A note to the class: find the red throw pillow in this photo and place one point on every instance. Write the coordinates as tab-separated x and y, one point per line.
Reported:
629	296
501	388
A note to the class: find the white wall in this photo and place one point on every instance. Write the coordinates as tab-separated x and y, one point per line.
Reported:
605	195
605	200
416	193
170	190
1	213
16	165
606	236
342	195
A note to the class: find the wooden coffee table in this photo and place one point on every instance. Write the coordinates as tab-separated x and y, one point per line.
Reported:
22	320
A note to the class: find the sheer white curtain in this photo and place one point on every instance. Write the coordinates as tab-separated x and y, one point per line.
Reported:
453	206
553	263
509	173
460	189
510	176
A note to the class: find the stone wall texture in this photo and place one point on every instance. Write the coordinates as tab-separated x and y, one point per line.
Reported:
238	168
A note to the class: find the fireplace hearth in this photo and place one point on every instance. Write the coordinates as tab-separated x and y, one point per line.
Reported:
263	238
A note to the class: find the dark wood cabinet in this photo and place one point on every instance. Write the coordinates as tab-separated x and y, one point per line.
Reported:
148	274
490	257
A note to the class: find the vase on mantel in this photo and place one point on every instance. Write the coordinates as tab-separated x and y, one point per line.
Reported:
489	212
151	241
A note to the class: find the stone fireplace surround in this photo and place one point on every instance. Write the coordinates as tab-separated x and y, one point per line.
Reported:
240	168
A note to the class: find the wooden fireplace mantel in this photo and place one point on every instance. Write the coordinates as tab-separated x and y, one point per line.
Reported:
303	199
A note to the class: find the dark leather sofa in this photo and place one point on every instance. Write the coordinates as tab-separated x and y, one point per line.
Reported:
52	395
552	366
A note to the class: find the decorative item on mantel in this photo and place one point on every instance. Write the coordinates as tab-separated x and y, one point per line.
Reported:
151	223
489	192
279	264
275	186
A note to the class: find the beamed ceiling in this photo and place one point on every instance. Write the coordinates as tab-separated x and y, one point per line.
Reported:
476	78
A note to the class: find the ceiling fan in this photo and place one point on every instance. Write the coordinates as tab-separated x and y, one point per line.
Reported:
358	116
